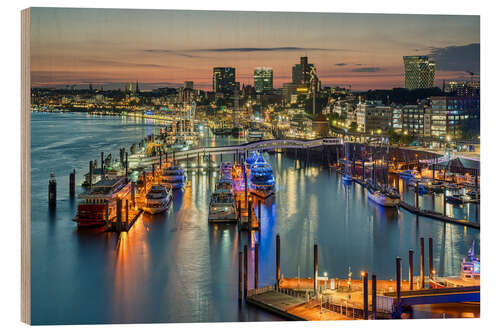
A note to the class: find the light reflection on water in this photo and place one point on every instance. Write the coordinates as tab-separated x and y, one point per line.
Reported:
176	267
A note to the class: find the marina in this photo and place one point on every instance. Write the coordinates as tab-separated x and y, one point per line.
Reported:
358	225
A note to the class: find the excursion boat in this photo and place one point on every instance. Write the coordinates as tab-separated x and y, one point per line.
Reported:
158	199
173	176
409	174
254	134
91	210
384	198
222	206
226	170
224	184
470	274
262	182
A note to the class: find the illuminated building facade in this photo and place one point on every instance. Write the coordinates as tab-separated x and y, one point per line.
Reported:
224	80
419	72
263	79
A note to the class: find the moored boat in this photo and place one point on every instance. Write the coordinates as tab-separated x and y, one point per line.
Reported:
384	198
91	211
222	206
174	176
262	182
158	199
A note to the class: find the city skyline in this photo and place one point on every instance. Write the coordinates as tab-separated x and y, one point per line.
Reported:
160	48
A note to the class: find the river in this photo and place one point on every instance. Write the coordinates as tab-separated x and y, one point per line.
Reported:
176	267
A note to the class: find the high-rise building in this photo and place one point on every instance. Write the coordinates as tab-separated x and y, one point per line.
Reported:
301	72
224	80
263	79
419	72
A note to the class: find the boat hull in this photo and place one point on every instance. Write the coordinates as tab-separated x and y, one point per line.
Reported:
223	216
383	200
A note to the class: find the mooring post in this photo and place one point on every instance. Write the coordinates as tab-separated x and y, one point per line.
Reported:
249	209
72	184
160	161
259	212
126	166
315	268
374	296
91	174
102	164
417	191
198	159
422	265
52	191
398	286
126	214
444	201
245	272
153	165
173	157
245	181
278	272
118	214
239	212
256	266
410	268
240	255
363	166
365	295
431	259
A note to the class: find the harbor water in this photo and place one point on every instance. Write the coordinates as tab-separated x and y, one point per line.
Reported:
176	267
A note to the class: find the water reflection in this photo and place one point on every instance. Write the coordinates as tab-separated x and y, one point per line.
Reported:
175	267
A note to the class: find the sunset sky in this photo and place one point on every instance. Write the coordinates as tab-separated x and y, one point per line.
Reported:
165	48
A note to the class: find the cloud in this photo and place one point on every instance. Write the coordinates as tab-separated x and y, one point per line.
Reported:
341	64
367	70
187	53
457	57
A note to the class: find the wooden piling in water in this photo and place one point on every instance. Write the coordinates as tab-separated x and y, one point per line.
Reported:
374	296
52	191
431	259
315	268
72	184
278	272
410	268
256	266
240	255
398	287
365	295
126	215
107	215
118	214
422	265
259	212
245	271
91	175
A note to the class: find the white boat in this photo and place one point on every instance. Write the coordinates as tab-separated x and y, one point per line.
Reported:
222	206
173	176
383	198
254	134
158	199
225	170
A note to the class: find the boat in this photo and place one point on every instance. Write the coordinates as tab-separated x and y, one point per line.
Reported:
254	134
237	131
458	199
158	199
226	170
262	182
346	178
385	198
434	186
224	184
223	130
409	174
91	211
470	273
222	206
173	176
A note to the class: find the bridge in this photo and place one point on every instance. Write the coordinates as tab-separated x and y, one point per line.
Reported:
250	146
435	296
